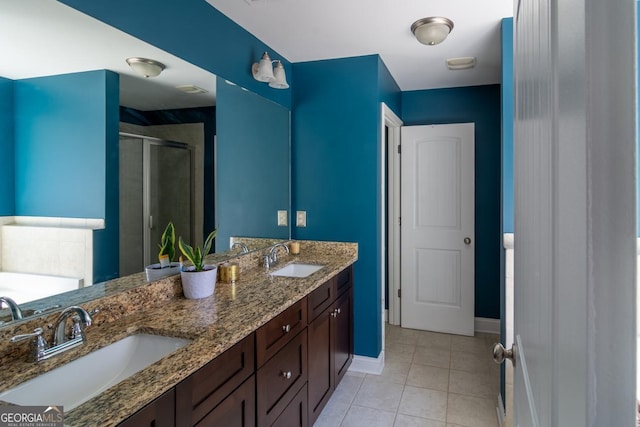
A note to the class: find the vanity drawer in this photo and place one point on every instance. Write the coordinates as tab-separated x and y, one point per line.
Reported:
295	414
320	299
344	280
203	390
276	334
280	379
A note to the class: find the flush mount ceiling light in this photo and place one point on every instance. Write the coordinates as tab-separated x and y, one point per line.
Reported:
432	30
264	71
463	63
146	67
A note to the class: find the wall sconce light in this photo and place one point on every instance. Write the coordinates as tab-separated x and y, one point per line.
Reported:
432	30
265	71
146	67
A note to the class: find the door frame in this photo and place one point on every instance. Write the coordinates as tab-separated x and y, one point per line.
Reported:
389	150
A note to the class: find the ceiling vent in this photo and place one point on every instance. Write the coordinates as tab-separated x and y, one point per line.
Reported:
463	63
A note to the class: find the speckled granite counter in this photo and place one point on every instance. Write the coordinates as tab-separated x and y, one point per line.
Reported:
214	324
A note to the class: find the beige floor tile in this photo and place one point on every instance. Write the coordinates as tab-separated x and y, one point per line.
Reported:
473	362
403	420
396	334
474	384
348	388
470	411
470	344
359	416
424	403
395	372
430	377
432	356
378	393
332	414
434	340
398	352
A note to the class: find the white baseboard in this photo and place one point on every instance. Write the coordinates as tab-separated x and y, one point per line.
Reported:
368	365
486	325
500	410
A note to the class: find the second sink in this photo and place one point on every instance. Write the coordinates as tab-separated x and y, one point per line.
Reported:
297	270
78	381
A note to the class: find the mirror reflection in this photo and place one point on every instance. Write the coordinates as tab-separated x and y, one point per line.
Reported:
103	158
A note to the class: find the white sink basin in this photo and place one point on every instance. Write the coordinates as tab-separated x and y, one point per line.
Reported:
78	381
297	270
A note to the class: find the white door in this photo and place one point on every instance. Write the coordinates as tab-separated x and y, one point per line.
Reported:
574	148
437	231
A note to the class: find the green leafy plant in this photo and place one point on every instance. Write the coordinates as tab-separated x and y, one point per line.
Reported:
167	243
196	256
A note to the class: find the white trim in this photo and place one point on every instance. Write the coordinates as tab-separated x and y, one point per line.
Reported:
500	411
486	325
507	240
368	365
389	149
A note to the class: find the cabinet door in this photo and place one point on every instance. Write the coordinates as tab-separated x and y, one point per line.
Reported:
237	410
159	413
321	369
343	334
295	414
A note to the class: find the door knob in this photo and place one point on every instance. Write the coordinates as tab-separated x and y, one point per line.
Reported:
467	241
500	353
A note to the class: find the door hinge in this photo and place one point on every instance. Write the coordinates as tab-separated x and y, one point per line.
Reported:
399	293
399	220
399	149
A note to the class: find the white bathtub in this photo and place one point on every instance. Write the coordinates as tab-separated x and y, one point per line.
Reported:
22	287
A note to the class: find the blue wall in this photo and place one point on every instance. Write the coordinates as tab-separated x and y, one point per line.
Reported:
507	125
481	105
194	31
7	181
336	158
60	125
253	140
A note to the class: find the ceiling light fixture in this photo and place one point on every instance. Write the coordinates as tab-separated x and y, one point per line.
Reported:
264	71
146	67
463	63
432	30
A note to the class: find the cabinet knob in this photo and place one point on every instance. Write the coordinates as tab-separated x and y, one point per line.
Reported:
338	310
334	314
286	375
286	328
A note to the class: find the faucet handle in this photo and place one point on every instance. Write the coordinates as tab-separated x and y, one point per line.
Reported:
38	346
267	262
37	332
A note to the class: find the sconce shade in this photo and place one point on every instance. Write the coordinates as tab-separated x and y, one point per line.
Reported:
280	81
432	30
263	71
146	67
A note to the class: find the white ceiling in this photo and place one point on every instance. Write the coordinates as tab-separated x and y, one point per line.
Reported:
44	37
308	30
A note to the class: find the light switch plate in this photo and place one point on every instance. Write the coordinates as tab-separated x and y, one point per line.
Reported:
282	219
301	219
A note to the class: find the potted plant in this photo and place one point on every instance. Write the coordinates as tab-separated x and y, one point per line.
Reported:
165	267
198	280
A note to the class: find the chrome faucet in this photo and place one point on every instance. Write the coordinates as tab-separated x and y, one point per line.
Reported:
62	341
16	313
242	246
272	257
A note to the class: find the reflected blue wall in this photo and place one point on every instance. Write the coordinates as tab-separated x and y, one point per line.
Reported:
7	181
253	179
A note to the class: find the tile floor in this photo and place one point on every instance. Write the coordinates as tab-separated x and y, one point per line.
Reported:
429	379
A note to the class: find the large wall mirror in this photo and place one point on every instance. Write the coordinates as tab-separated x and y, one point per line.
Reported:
92	175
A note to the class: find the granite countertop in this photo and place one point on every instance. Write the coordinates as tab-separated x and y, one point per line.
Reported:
214	324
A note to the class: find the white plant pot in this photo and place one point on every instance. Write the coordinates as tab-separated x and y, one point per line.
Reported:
199	284
154	272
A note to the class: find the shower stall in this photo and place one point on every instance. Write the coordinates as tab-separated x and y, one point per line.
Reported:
156	186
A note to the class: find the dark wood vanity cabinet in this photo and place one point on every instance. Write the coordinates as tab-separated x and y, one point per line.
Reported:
330	341
159	413
281	375
222	389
